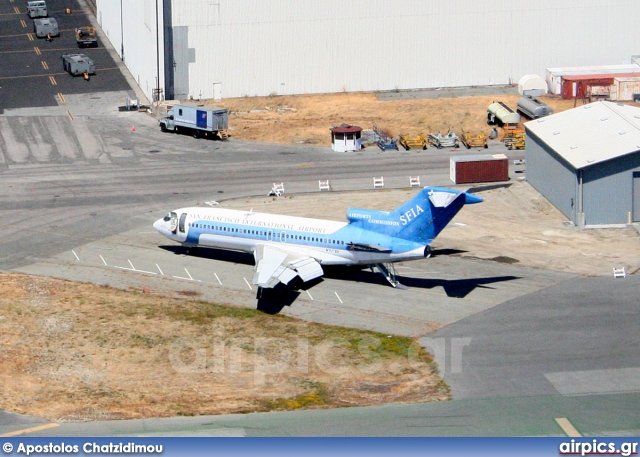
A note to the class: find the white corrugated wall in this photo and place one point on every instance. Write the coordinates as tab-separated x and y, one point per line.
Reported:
258	47
133	22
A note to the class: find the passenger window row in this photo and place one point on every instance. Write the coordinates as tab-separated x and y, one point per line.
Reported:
260	233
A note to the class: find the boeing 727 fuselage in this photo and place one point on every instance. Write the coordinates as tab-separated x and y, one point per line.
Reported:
285	246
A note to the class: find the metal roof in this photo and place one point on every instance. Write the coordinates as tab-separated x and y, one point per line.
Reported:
590	134
478	157
607	76
346	128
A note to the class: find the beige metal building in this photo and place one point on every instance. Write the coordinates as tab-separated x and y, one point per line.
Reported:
232	48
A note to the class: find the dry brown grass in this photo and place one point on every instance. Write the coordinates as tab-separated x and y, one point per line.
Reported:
273	121
73	351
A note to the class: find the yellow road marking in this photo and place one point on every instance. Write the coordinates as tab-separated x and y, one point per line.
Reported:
24	24
567	427
70	115
37	49
16	9
30	36
61	97
44	65
49	75
53	80
30	430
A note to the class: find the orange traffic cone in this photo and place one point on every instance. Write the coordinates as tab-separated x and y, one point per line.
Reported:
133	129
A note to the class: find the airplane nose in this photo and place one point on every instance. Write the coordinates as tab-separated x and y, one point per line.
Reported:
158	225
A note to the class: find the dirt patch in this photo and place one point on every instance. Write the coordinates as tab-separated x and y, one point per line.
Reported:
514	224
306	119
76	352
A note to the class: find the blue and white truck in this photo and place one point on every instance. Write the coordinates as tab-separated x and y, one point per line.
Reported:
197	120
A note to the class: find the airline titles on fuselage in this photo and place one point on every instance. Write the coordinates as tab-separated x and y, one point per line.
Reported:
405	218
258	223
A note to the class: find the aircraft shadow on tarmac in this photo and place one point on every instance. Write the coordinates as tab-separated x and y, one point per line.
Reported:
454	288
211	253
272	301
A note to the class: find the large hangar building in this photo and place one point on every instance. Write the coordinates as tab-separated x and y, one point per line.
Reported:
586	162
233	48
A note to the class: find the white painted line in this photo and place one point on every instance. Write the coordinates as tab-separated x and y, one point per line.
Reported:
104	261
137	271
217	278
567	427
132	267
159	269
245	280
187	279
74	253
338	297
309	294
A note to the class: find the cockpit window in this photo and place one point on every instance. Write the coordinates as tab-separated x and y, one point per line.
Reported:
173	217
167	218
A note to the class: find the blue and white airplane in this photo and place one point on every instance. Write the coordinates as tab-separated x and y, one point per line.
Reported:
285	246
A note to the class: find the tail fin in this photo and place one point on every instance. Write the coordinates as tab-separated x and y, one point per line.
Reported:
421	219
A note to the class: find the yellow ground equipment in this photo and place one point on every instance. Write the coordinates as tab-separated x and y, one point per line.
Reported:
517	141
479	141
418	142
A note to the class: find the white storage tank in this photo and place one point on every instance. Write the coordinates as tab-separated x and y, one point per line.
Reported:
532	85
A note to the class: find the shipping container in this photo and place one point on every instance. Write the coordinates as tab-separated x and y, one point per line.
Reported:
479	168
625	89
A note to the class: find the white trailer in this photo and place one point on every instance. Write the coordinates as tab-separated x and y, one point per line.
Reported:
47	27
37	8
198	120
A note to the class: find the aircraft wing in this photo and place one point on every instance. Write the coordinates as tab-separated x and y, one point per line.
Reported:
274	265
